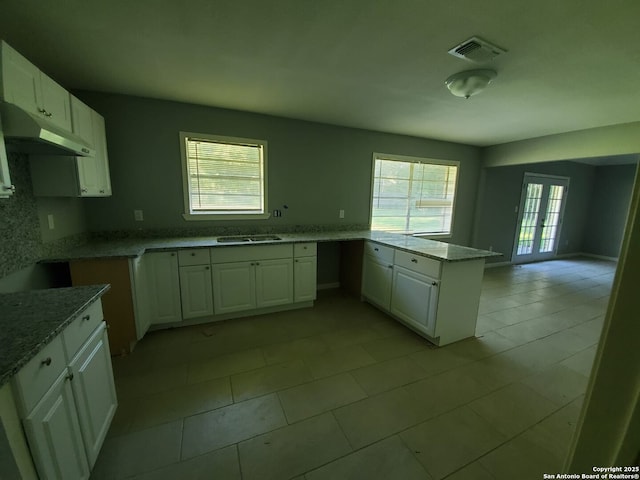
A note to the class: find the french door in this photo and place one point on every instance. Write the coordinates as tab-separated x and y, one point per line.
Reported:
539	217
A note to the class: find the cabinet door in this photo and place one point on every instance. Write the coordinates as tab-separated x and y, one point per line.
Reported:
21	81
54	434
93	172
376	281
304	279
274	282
6	187
195	291
94	391
414	299
101	157
57	102
234	287
141	304
163	285
81	120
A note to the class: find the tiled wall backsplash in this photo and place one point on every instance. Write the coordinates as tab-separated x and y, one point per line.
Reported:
21	242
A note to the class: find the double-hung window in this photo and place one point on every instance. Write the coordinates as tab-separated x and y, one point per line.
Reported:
224	177
413	195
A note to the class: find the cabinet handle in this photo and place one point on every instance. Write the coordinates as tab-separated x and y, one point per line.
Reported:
84	190
173	254
46	361
11	188
48	114
297	260
390	266
101	191
206	268
193	254
86	318
414	260
69	377
434	283
376	249
42	110
257	263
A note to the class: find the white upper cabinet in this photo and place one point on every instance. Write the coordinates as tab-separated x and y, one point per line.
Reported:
93	172
24	85
62	176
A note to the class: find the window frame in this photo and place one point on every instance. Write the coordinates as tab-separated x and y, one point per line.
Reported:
412	159
189	214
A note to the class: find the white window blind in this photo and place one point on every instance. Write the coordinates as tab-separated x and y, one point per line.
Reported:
224	176
413	196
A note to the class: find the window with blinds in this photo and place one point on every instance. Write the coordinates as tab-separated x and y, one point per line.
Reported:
224	175
413	195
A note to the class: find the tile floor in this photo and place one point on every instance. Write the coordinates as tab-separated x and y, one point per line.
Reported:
342	391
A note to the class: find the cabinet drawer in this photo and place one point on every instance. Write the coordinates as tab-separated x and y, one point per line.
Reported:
380	252
81	328
36	377
305	249
418	263
194	256
253	252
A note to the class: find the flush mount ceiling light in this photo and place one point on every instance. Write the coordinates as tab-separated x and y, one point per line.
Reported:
468	83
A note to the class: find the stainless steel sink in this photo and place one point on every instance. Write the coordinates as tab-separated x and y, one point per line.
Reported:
248	238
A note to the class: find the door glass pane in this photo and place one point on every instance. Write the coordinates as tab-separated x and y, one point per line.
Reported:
551	219
529	219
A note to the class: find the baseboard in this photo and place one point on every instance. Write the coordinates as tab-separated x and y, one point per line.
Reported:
328	286
557	257
599	257
497	264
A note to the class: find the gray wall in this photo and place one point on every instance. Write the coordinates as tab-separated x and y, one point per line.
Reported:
499	195
608	209
26	237
315	169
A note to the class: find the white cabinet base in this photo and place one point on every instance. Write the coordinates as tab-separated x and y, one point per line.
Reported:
54	434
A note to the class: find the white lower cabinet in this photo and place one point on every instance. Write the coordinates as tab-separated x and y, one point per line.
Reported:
239	286
376	281
274	282
94	391
66	398
54	434
196	292
305	272
437	299
234	287
414	299
193	283
163	287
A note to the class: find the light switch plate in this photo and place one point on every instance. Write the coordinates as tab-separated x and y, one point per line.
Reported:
137	214
51	221
341	214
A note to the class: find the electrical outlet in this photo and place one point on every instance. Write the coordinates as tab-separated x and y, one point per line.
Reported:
341	214
137	214
51	222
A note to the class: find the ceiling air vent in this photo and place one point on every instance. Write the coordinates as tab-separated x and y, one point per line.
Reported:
476	50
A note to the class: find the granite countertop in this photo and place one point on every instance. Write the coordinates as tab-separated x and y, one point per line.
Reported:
136	247
31	319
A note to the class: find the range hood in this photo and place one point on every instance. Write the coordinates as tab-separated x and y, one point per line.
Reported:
29	133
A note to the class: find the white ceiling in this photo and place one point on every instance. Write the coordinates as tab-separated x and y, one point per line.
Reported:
375	64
